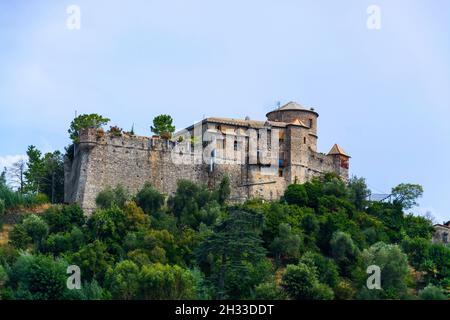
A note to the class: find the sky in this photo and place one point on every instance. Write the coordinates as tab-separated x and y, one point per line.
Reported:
382	94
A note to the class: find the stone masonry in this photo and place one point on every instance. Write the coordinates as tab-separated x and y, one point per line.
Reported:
261	158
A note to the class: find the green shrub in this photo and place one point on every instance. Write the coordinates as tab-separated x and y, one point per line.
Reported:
40	198
89	291
19	237
344	290
296	194
36	228
2	207
14	199
431	292
64	217
39	277
110	197
300	283
150	199
269	291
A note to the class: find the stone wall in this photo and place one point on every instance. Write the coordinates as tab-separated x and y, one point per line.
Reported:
441	234
101	160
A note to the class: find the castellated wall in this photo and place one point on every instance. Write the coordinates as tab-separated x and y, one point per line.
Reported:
102	160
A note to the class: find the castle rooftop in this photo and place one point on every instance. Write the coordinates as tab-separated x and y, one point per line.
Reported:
336	149
293	106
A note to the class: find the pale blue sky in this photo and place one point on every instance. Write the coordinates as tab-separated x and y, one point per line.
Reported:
382	95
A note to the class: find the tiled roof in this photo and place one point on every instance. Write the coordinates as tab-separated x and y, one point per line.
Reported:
291	105
246	123
338	150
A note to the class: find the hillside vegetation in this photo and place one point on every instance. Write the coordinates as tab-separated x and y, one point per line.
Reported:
314	243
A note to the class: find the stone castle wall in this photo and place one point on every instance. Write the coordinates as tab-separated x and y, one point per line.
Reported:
102	160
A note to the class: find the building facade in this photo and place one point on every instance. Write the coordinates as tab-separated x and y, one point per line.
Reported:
261	158
442	233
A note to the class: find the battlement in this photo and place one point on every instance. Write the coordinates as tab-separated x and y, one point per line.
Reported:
91	137
261	158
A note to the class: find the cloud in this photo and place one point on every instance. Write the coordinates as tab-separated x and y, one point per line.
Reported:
8	160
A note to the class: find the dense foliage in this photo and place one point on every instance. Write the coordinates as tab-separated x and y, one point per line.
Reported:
85	121
315	243
163	126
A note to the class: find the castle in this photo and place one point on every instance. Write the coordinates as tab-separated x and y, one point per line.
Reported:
261	158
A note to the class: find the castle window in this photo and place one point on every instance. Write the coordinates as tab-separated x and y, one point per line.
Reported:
304	140
310	123
235	146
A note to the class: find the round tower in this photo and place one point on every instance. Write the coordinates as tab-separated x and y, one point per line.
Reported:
295	114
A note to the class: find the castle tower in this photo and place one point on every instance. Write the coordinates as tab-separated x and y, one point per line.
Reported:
295	114
301	138
340	159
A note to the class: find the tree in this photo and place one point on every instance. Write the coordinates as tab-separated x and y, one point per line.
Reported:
407	194
89	291
108	225
296	194
344	251
224	190
358	192
93	259
235	240
112	197
431	292
19	238
62	218
269	291
300	283
287	245
3	279
123	280
135	217
150	199
2	210
3	177
162	126
418	227
39	277
334	186
310	227
327	271
36	228
193	204
17	174
52	178
394	268
35	168
164	282
85	121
